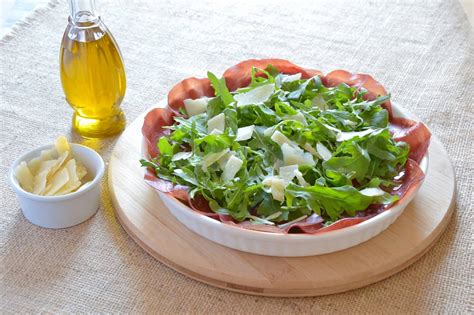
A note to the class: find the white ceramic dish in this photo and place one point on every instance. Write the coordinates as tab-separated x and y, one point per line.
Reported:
57	212
288	245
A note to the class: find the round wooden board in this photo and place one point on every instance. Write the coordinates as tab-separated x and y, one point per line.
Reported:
145	218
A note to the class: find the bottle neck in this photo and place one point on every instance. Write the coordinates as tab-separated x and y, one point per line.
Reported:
83	12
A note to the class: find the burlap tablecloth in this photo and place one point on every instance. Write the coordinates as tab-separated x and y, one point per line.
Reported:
422	51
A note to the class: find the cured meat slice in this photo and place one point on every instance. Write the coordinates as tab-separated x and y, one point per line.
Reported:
416	134
342	223
412	177
308	226
177	191
192	88
153	129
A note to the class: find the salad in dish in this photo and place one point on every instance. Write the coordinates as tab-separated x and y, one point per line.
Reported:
274	147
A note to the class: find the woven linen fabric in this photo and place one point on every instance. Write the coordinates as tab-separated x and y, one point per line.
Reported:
422	52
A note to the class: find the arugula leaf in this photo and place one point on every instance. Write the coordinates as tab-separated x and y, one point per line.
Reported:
215	106
351	160
334	201
220	88
231	120
257	115
260	141
212	143
165	147
187	175
257	79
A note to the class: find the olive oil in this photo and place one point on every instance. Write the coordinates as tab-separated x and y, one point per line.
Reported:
92	74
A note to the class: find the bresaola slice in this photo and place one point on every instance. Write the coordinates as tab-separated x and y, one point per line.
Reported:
153	129
416	134
177	191
410	179
192	88
308	226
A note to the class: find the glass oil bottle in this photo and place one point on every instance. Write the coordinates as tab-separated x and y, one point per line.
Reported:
92	73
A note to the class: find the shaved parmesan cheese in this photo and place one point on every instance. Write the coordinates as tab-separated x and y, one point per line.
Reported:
323	152
298	117
216	123
81	170
268	181
277	164
287	173
62	145
223	160
70	187
73	182
245	133
212	158
332	128
293	221
294	155
350	122
319	102
196	107
273	216
310	149
267	132
285	78
372	192
278	189
280	138
59	162
39	183
72	170
181	156
46	166
343	136
52	173
278	184
48	154
301	179
24	176
256	96
59	179
232	166
215	132
257	220
34	164
290	78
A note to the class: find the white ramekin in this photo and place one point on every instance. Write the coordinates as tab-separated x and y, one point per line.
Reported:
57	212
288	245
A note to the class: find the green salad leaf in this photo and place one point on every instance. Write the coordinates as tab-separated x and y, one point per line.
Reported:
284	148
